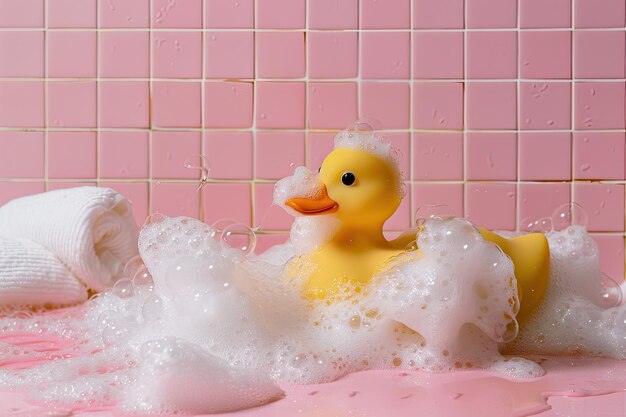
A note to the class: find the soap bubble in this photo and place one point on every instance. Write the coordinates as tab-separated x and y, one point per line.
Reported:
429	211
123	288
239	236
541	225
132	266
155	218
153	308
570	214
611	292
222	224
142	281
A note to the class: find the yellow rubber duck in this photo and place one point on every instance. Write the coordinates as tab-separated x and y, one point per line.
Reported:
363	190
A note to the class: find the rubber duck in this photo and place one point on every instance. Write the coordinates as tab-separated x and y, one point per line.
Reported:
363	190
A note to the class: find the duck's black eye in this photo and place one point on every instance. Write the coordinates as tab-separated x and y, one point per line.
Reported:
348	178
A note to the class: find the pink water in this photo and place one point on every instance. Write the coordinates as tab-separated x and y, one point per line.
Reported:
573	387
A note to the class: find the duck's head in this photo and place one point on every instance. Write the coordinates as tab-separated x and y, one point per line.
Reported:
359	187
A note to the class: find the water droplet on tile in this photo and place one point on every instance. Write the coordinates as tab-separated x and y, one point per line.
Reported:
585	167
236	4
587	107
527	120
510	194
592	91
263	116
442	121
353	394
213	37
456	395
550	122
526	63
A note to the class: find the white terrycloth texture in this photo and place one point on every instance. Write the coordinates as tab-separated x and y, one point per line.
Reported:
30	275
90	229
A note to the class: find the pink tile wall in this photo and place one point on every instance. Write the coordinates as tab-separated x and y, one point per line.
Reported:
501	109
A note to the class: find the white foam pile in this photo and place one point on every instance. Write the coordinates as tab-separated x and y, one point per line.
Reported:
205	326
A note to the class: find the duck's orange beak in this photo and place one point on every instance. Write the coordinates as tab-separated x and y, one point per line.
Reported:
314	206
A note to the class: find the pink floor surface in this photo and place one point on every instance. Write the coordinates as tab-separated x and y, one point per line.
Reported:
572	387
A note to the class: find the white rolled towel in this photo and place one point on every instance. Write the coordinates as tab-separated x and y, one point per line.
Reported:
91	230
30	275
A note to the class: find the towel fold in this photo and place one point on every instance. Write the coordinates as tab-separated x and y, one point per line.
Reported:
91	230
30	275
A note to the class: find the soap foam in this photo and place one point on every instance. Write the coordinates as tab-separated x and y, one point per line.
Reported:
202	325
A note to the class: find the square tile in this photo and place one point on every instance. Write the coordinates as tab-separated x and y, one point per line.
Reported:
604	204
491	156
437	199
175	199
545	156
546	55
599	54
385	55
438	55
599	13
124	54
229	54
72	104
124	104
611	255
535	14
123	154
277	154
280	105
545	106
390	14
332	14
332	105
176	104
228	104
541	200
22	155
136	193
71	54
169	14
124	13
599	155
21	54
172	152
229	154
22	13
217	198
229	14
12	190
280	14
438	14
318	146
491	205
599	105
71	13
266	214
177	54
72	155
280	54
332	54
438	106
438	156
492	55
387	102
22	104
491	106
488	14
